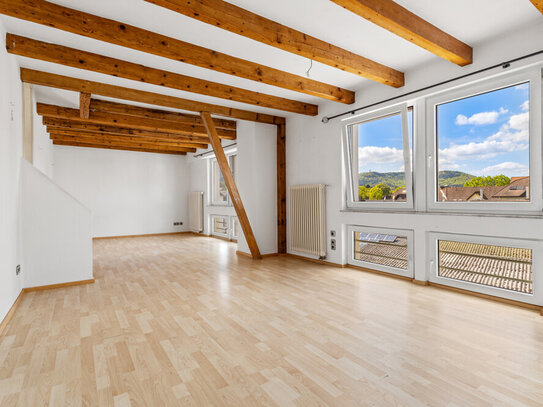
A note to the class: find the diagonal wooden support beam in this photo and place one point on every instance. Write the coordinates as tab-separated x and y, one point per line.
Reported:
231	185
400	21
84	105
539	5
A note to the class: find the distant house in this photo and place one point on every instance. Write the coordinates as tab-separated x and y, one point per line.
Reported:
518	190
400	195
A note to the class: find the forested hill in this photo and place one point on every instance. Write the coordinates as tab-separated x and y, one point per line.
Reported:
396	179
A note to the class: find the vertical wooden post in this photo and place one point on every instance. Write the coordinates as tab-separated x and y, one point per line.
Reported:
28	132
281	189
84	105
230	184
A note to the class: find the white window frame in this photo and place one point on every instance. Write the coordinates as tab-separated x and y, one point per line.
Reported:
350	148
211	177
410	272
537	262
233	220
533	76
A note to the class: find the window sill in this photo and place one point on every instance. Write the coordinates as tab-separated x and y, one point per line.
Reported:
527	215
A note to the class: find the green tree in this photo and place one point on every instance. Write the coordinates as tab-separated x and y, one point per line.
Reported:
363	193
379	191
488	181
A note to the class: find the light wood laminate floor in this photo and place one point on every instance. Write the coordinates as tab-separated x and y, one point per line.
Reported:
181	320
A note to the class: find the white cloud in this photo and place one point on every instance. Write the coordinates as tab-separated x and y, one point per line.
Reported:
372	154
481	118
508	168
520	121
525	106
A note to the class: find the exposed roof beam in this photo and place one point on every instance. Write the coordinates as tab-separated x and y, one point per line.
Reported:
53	132
84	105
120	120
400	21
111	147
243	22
115	32
538	4
119	92
52	122
138	111
93	138
58	54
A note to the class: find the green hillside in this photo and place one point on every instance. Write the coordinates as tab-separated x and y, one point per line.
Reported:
396	179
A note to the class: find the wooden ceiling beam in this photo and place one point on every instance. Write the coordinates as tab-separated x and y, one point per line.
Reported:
400	21
55	123
538	4
235	19
110	147
58	54
135	95
131	110
118	33
120	120
84	105
93	138
134	139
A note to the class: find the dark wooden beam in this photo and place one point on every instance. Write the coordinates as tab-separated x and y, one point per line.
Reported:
55	123
119	92
121	120
538	4
281	190
84	105
231	185
400	21
58	54
154	141
131	110
110	147
235	19
115	32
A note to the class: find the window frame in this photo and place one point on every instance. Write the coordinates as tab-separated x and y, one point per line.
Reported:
212	160
536	246
535	206
408	233
350	145
233	235
212	231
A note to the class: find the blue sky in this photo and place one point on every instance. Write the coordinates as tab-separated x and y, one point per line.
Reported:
483	135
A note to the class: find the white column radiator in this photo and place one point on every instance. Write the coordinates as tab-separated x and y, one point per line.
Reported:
196	211
307	219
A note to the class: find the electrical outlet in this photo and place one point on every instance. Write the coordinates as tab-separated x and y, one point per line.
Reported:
18	270
333	244
333	233
177	223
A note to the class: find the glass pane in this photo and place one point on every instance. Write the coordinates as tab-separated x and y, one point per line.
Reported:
380	166
504	267
220	193
483	147
220	225
383	249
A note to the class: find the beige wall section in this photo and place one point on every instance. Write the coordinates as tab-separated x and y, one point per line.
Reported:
28	138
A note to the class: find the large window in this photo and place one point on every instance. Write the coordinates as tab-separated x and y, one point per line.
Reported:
378	152
486	153
219	192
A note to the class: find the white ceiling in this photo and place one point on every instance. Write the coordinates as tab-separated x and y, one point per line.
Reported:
472	21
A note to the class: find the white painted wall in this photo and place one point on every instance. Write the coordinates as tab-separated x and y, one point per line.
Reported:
256	181
10	155
43	146
56	232
314	156
128	192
